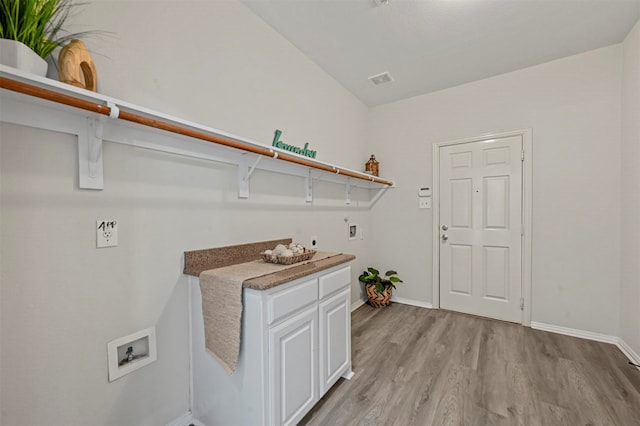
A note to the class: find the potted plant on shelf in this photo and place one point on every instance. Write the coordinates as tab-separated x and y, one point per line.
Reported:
31	29
379	288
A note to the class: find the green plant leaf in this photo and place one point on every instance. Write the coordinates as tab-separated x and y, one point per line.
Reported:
388	273
38	23
364	277
373	271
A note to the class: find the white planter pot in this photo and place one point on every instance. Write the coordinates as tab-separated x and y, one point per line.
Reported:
17	55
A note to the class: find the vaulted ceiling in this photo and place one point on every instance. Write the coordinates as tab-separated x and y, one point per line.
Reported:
429	45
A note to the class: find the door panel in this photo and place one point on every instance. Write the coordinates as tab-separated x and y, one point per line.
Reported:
335	338
461	160
460	266
480	249
461	203
496	272
496	156
496	202
293	352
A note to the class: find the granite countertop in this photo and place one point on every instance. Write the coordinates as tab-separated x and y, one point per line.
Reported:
197	261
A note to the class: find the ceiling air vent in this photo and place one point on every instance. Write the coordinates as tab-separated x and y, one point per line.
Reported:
379	79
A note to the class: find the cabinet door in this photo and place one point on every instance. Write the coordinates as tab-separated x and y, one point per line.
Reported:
335	338
293	367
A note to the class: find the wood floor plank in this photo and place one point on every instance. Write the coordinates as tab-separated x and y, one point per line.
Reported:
416	366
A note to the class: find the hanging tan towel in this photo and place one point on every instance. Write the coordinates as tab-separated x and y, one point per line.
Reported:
222	305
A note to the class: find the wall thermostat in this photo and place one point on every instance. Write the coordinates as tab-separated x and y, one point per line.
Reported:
424	192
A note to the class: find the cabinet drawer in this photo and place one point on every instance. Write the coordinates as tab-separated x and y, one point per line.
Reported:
284	302
334	281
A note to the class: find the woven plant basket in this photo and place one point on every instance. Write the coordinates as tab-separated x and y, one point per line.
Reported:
378	300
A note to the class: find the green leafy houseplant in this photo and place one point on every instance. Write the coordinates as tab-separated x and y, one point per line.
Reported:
37	23
372	276
379	288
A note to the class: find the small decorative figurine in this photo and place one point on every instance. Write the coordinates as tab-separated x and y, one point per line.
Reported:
76	66
372	166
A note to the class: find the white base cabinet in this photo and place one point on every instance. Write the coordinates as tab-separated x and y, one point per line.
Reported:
296	343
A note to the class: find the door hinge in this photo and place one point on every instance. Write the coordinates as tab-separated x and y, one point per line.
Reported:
521	229
521	304
522	155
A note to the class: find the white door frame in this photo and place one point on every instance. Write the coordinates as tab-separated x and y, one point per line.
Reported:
526	214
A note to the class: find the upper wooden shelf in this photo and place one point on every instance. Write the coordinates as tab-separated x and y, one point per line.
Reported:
45	103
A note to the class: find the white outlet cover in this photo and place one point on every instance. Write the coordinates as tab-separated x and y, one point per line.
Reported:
106	233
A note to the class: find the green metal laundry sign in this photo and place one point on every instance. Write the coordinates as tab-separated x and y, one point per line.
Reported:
297	150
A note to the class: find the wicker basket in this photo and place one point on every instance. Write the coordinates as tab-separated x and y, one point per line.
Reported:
308	254
378	300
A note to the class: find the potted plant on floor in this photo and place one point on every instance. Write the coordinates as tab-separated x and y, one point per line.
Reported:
31	29
379	288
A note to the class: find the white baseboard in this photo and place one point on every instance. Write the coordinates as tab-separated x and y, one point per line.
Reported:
355	305
630	353
574	332
412	302
605	338
185	420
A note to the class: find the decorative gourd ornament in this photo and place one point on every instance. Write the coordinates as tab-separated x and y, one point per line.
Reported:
76	66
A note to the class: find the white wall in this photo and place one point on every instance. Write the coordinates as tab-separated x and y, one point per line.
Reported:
573	107
630	180
62	299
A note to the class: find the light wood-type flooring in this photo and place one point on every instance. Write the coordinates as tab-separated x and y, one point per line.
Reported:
416	366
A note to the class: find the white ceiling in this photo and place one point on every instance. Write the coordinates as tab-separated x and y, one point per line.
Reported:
428	45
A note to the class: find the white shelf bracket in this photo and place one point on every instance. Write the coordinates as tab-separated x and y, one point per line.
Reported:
347	190
309	186
243	177
379	194
253	167
90	163
245	170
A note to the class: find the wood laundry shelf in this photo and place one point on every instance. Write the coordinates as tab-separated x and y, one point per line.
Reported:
44	103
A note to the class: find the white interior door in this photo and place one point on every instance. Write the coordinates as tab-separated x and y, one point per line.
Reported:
481	228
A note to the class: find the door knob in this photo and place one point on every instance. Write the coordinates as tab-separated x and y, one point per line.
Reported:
445	237
445	227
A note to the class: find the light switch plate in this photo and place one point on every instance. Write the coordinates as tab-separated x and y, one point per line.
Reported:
425	202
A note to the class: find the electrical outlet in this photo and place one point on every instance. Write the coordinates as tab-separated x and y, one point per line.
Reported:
313	242
106	233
